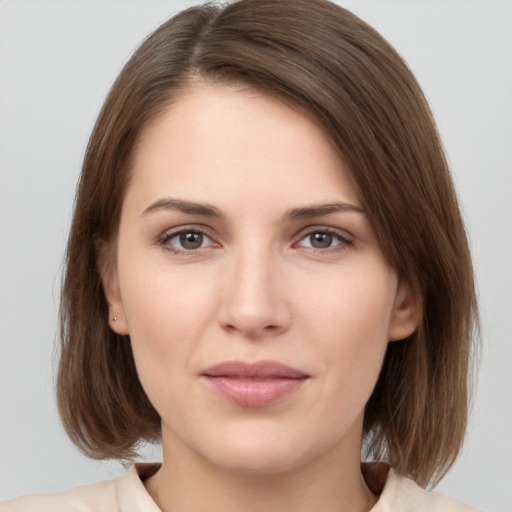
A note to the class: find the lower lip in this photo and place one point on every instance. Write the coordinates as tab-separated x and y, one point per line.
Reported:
254	392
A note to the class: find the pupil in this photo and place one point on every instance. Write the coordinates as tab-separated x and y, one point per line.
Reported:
321	240
191	240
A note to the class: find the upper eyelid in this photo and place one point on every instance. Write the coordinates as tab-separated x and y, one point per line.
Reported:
170	233
326	229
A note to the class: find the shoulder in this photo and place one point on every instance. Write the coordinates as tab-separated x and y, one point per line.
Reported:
88	498
403	494
119	495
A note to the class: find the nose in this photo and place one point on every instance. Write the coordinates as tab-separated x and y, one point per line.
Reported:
254	297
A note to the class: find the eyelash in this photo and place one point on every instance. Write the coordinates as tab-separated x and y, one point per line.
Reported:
166	237
343	240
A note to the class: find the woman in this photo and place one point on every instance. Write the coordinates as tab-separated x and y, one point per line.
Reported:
266	268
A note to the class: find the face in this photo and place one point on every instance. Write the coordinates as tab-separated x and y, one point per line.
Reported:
258	302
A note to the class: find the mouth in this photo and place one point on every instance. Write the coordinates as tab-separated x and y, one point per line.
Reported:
256	384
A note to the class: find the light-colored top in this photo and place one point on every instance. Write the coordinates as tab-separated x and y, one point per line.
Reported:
128	494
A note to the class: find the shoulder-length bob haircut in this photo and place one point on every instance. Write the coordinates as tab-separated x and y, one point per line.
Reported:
322	60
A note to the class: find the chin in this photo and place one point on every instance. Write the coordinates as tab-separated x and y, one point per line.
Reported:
257	454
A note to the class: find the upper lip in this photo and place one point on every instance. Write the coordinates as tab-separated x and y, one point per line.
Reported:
255	370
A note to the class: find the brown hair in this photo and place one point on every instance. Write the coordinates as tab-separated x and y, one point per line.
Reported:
323	60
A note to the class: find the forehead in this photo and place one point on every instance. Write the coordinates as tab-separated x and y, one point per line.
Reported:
226	141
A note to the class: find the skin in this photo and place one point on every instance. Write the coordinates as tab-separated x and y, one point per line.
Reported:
255	288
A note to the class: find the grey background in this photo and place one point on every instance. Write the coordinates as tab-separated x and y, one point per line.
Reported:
57	61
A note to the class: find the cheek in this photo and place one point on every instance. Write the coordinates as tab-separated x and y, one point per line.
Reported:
352	328
167	313
353	304
166	309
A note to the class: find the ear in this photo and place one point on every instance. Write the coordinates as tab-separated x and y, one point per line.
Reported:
406	313
107	266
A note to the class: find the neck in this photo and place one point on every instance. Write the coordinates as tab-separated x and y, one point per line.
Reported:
191	484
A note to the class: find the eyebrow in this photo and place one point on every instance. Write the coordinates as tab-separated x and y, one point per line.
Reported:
207	210
307	212
204	209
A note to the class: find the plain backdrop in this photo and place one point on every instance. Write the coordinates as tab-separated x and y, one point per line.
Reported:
57	61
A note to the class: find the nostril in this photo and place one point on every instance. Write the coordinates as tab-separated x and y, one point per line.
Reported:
252	331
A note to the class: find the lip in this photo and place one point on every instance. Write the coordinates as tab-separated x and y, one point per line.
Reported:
257	384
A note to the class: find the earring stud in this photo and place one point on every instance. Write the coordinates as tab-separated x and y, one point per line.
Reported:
115	318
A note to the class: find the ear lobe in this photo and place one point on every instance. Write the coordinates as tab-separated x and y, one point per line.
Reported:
406	313
110	282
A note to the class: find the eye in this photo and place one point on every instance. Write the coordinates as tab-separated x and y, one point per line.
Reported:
323	239
190	240
186	240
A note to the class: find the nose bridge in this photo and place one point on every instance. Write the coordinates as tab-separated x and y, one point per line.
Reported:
253	302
